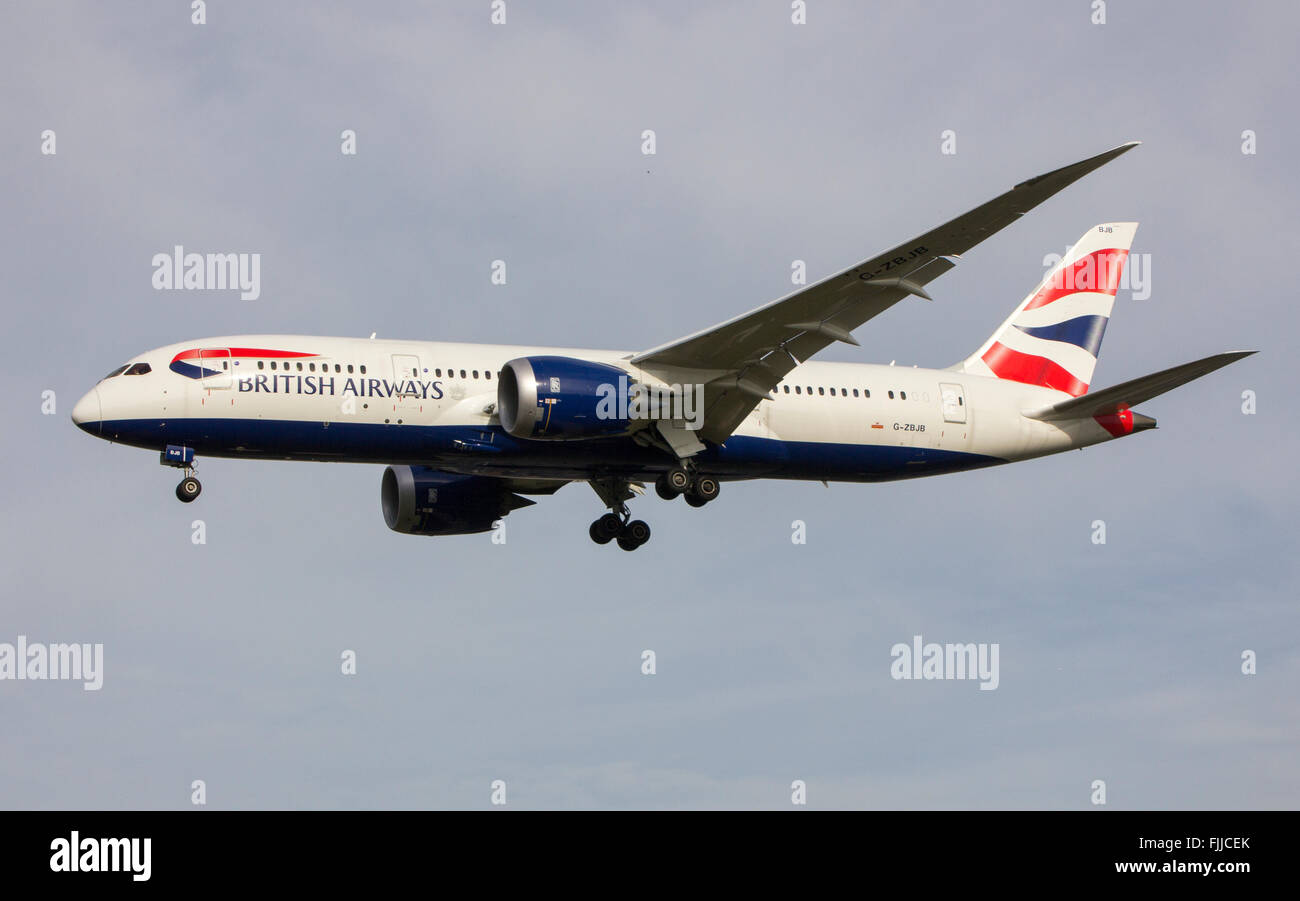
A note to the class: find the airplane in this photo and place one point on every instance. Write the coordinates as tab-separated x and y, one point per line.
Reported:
468	430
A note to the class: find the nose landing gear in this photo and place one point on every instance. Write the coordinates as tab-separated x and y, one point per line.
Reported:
182	457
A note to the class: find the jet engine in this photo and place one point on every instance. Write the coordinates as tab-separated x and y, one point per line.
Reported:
418	500
562	399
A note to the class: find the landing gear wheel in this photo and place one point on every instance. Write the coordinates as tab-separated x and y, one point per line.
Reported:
673	483
702	491
634	534
663	490
678	479
706	488
188	489
606	529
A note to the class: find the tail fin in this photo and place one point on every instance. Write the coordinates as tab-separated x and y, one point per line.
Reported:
1053	337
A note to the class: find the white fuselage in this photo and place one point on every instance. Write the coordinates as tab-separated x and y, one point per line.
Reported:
434	404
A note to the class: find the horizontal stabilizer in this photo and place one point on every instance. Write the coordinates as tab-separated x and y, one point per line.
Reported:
1131	393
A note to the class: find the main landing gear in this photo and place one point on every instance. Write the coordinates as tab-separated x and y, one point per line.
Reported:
630	533
697	489
618	525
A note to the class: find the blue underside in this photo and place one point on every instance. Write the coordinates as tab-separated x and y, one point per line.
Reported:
490	451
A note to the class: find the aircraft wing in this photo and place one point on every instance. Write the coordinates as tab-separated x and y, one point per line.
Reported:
739	361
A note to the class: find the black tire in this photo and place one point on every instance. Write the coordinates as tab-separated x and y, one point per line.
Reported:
188	489
627	543
707	488
672	483
597	535
638	530
694	499
609	526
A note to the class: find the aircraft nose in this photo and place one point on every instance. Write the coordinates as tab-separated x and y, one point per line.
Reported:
86	413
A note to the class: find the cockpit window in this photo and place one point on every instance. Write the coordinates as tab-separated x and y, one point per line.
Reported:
118	371
137	369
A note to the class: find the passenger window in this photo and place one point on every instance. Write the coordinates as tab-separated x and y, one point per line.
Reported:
363	369
866	392
349	369
821	390
300	367
261	364
832	392
462	373
787	388
891	395
437	373
855	392
487	375
797	390
902	395
273	364
475	373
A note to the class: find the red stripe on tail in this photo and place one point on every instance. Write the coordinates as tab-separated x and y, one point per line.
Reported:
1097	271
1031	370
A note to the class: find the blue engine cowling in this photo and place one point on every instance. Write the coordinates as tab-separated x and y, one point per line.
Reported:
562	399
418	500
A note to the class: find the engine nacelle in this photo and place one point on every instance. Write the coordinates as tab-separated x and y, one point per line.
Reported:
562	399
418	500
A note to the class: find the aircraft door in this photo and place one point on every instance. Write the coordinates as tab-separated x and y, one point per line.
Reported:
954	402
407	396
214	365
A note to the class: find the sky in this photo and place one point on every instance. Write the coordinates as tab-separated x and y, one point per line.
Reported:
1120	663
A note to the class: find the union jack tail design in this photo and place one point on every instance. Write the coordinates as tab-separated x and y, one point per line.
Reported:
1053	337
